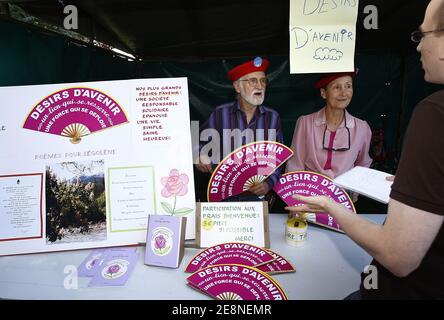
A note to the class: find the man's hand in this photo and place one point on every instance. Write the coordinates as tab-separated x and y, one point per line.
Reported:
390	178
260	189
204	164
311	204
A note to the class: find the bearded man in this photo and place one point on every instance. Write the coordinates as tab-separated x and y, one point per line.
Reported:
242	121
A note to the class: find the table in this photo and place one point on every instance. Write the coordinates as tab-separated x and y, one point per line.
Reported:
328	266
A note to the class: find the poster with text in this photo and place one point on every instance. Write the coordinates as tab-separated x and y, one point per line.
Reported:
84	164
309	184
322	35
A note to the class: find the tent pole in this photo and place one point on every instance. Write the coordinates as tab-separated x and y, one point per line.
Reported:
399	136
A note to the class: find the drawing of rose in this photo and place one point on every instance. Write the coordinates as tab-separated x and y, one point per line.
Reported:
113	269
160	242
173	186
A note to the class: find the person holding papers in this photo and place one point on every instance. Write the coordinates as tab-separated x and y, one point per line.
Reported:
408	249
331	141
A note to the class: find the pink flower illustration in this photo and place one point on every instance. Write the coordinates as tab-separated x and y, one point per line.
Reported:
113	269
175	184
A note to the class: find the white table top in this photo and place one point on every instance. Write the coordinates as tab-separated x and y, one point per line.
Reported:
328	266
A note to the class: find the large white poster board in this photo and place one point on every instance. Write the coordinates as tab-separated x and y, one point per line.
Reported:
322	35
82	165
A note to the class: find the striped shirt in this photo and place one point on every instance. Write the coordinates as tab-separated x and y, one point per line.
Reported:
230	122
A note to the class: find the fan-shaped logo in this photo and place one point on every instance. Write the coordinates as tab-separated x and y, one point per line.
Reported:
75	113
229	296
162	241
253	181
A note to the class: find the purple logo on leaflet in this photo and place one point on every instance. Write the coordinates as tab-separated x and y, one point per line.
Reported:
162	241
75	113
115	269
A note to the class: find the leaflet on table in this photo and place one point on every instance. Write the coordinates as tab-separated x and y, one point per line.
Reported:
236	282
242	254
307	183
89	266
84	164
230	253
246	167
278	266
115	269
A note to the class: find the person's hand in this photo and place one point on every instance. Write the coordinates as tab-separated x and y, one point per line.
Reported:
390	178
260	189
354	196
204	164
311	204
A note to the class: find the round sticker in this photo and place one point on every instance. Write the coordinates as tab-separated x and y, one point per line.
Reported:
257	62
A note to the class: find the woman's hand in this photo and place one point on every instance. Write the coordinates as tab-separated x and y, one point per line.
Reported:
260	189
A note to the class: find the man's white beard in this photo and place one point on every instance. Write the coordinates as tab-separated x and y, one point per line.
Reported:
252	98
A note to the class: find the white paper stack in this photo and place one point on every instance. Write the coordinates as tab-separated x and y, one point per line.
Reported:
368	182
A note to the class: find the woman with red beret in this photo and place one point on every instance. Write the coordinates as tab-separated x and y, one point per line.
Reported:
331	141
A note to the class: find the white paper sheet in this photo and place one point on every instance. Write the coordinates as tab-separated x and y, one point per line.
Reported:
368	182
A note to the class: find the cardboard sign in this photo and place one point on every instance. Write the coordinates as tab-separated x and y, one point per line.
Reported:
322	35
220	222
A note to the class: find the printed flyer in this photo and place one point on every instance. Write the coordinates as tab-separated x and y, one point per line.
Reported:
230	253
83	165
307	183
236	282
245	167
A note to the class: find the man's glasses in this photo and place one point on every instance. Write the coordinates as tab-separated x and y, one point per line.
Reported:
253	82
417	35
337	149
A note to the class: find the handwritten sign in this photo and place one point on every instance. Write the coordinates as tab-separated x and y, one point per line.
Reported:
220	222
322	35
